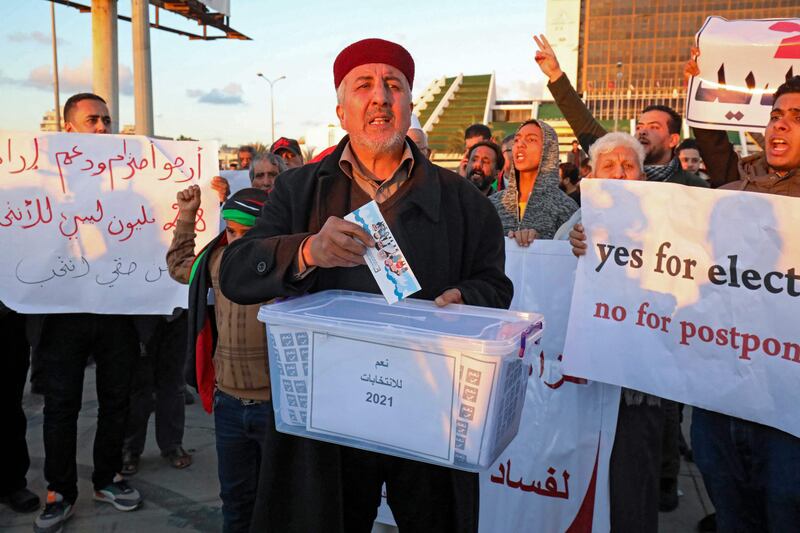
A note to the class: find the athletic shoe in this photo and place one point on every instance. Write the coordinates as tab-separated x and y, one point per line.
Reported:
119	494
56	511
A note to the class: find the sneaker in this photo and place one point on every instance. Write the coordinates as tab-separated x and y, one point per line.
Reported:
56	511
119	494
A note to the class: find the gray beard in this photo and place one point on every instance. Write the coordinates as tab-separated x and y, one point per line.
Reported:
384	146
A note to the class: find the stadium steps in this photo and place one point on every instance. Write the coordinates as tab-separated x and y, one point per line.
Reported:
467	106
425	113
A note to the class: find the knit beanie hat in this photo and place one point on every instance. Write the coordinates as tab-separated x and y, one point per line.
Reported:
244	206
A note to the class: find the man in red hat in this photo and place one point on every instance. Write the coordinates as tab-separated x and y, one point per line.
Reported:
453	240
289	151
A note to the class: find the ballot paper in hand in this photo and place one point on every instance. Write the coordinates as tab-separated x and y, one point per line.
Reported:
385	260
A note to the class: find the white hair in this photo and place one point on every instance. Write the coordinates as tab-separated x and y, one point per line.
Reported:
269	157
340	93
422	134
610	141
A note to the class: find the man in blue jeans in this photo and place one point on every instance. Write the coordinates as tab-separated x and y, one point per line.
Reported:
752	471
228	360
241	428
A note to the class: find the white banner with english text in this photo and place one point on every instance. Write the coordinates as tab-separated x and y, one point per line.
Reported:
554	475
741	64
86	220
692	295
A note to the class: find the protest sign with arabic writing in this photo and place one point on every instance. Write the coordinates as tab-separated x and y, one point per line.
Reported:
554	474
86	220
691	294
741	64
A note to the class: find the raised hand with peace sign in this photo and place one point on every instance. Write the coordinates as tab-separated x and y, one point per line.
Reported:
546	59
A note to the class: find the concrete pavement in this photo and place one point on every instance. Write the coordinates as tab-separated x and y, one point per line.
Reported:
187	500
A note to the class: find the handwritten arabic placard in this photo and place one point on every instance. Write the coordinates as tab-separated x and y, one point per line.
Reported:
384	395
741	64
386	261
86	220
697	304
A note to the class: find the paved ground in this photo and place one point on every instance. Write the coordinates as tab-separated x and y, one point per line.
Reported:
187	500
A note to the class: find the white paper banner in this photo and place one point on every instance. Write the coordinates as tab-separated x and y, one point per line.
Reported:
554	474
691	294
741	64
86	220
237	179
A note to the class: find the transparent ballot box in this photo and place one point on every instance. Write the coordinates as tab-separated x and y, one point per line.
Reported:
441	385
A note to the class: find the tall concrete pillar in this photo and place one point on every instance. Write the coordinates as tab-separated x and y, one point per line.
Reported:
142	78
105	58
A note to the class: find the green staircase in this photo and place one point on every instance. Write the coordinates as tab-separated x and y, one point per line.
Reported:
466	107
425	114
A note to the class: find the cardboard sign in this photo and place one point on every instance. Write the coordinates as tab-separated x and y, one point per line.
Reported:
742	63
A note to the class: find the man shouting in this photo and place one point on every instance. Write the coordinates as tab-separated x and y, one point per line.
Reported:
450	235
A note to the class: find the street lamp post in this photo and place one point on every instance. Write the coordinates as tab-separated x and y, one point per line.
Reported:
55	66
617	88
271	99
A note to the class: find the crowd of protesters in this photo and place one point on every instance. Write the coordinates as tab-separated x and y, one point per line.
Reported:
285	236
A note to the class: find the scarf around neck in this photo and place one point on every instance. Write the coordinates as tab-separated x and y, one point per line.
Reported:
662	172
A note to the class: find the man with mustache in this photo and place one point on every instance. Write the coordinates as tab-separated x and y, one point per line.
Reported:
474	134
62	343
484	161
452	239
288	150
750	470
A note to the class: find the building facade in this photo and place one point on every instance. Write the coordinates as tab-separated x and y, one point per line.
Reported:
633	52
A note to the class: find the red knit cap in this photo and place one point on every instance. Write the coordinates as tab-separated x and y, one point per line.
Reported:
373	51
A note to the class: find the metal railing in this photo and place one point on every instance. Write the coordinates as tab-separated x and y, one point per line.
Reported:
631	100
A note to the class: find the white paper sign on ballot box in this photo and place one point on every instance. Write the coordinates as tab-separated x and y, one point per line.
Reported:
374	381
